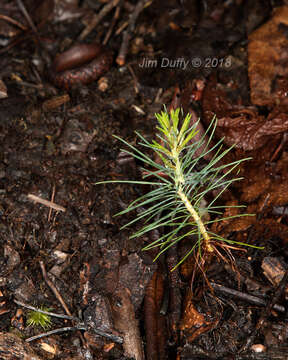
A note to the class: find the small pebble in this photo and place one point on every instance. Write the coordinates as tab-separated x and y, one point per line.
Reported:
103	84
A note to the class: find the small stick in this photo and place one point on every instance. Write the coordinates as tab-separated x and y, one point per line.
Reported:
52	200
61	316
121	28
135	80
280	146
97	18
158	96
112	337
33	86
27	16
124	48
246	297
127	33
60	299
48	203
51	332
112	25
53	288
13	21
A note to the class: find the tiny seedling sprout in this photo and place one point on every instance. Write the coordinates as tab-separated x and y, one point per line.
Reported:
39	319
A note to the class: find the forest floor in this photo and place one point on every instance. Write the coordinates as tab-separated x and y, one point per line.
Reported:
68	254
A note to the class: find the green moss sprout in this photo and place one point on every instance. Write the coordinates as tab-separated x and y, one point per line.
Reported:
179	186
39	319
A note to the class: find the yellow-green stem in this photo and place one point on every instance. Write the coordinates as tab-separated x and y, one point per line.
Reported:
179	181
197	219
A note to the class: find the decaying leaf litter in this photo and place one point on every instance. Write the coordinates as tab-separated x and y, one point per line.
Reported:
69	254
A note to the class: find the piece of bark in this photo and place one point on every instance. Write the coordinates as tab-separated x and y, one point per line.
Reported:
14	348
154	321
274	269
126	323
134	274
175	300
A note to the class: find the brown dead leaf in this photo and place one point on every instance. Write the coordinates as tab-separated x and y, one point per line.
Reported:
193	323
265	182
242	223
266	229
250	133
268	59
241	126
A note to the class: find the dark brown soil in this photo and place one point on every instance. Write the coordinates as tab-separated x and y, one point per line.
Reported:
57	143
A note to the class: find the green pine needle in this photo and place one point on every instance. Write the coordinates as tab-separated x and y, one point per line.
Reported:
178	190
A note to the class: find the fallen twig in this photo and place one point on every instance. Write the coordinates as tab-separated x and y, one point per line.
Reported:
55	331
48	203
80	326
33	308
61	300
54	289
127	33
112	25
243	296
52	200
97	18
27	16
13	21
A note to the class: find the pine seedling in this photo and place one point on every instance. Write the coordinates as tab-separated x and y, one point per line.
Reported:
176	202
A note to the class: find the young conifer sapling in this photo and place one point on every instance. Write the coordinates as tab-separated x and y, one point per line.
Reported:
176	202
